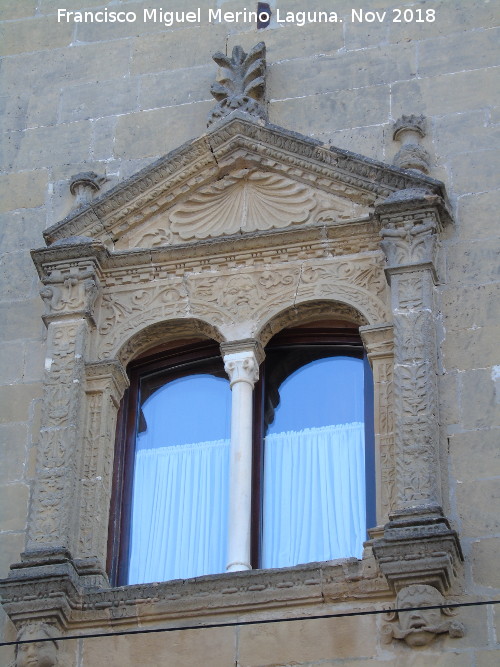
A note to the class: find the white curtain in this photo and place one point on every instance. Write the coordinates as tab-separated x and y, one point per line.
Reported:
179	512
314	495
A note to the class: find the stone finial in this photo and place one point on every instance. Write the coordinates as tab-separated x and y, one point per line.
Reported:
244	87
408	130
419	626
84	186
37	653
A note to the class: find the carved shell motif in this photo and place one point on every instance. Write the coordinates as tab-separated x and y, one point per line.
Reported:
246	200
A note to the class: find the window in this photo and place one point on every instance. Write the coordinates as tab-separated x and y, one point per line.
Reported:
312	460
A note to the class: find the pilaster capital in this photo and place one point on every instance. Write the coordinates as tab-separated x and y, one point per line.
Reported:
70	272
103	374
410	221
242	360
378	340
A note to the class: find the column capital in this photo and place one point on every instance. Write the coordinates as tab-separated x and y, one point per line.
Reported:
242	360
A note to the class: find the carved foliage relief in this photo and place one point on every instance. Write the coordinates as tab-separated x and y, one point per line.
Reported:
239	301
64	377
408	242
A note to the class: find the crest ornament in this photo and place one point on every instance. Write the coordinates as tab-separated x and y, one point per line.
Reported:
243	88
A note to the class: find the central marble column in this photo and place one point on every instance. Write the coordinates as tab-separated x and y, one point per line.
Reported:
241	363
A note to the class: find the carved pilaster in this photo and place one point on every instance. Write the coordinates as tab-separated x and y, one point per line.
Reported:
70	274
52	510
105	384
418	544
378	342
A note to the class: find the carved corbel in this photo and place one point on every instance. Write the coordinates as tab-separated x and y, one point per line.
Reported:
419	626
243	89
41	649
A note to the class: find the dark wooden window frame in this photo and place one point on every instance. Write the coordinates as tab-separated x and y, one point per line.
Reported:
204	357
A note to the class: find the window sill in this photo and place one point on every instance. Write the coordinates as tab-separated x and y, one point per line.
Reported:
303	585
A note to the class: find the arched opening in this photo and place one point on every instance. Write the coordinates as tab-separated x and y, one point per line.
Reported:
314	468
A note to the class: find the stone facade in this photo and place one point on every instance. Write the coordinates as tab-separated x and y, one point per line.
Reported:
380	213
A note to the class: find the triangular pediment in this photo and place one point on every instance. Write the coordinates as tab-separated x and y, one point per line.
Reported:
242	177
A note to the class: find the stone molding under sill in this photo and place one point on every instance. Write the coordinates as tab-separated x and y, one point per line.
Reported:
313	584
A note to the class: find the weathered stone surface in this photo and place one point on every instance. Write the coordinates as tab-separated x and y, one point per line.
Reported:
92	100
214	648
343	71
476	173
481	344
13	451
177	49
14	507
473	53
23	190
12	9
447	94
348	74
484	557
137	133
471	306
302	641
18	317
475	454
481	407
332	112
487	658
11	362
473	262
291	41
478	505
35	34
17	276
58	144
184	86
16	401
474	215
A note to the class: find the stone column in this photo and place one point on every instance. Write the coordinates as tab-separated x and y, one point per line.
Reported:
418	545
241	362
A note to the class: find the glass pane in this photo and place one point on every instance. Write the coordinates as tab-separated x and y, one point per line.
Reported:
180	494
314	466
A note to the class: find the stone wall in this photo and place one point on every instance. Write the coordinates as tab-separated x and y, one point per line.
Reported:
111	98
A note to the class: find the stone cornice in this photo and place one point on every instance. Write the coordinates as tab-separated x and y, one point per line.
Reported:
197	162
308	241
